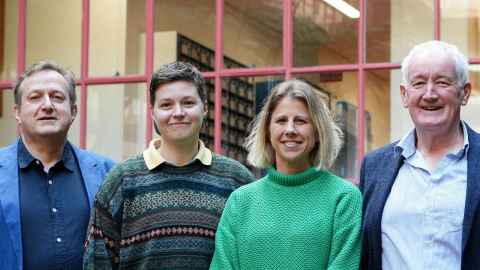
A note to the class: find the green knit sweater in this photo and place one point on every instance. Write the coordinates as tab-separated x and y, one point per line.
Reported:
164	218
310	220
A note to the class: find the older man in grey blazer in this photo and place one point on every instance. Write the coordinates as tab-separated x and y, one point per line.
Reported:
421	193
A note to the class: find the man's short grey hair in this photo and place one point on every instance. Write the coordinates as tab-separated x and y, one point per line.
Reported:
43	66
461	62
258	144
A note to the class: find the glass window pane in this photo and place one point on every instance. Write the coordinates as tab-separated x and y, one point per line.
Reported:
54	32
253	33
460	25
324	34
242	99
394	27
8	125
8	40
174	20
379	107
115	37
340	92
400	121
74	132
116	120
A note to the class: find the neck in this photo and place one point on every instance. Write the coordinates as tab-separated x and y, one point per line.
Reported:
46	149
291	168
434	145
179	153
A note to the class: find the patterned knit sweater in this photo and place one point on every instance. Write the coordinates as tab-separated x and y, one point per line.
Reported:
309	220
165	218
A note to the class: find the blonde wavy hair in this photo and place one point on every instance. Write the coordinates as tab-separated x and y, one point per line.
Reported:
260	151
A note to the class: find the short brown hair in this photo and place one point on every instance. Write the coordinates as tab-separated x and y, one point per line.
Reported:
41	66
177	71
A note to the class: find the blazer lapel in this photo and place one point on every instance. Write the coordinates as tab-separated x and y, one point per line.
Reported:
387	172
473	184
10	200
383	176
92	177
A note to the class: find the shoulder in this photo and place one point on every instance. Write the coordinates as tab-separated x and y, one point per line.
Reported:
8	150
84	154
247	194
473	136
381	152
8	156
342	187
130	167
376	158
225	166
348	198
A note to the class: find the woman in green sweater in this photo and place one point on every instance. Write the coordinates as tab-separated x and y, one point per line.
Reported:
299	216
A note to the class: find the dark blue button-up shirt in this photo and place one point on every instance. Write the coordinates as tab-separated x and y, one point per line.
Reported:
54	211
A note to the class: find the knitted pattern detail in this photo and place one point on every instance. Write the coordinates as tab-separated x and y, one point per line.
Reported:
165	218
310	220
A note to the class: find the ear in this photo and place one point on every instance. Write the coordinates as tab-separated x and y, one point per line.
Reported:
404	95
16	111
205	109
74	111
467	90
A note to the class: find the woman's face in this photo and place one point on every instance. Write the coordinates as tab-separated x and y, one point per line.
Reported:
292	135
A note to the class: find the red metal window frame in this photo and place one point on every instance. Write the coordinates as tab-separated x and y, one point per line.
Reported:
287	69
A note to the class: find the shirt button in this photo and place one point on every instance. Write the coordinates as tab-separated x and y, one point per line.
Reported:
59	240
38	162
54	210
50	182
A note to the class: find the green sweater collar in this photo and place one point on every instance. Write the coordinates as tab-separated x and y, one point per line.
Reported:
294	179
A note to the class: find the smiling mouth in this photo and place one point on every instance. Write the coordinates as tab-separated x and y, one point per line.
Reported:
431	108
291	143
47	118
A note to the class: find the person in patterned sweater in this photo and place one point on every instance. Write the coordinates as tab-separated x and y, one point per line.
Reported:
160	209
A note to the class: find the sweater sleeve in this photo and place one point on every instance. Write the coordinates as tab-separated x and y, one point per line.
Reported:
226	253
102	245
346	239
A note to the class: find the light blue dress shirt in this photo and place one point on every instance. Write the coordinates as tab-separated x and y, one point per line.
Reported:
423	216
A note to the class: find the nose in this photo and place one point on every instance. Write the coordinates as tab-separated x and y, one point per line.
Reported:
178	110
290	129
430	91
47	103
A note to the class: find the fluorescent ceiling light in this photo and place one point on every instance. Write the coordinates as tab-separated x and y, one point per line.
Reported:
344	8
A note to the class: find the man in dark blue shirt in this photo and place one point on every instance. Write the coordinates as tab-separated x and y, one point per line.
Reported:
47	184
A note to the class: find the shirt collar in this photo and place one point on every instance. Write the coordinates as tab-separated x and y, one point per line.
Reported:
153	158
25	158
408	146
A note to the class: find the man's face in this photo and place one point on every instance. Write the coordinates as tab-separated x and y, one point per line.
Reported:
45	108
433	96
178	112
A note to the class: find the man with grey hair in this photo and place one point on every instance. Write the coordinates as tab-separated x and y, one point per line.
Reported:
421	193
47	184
